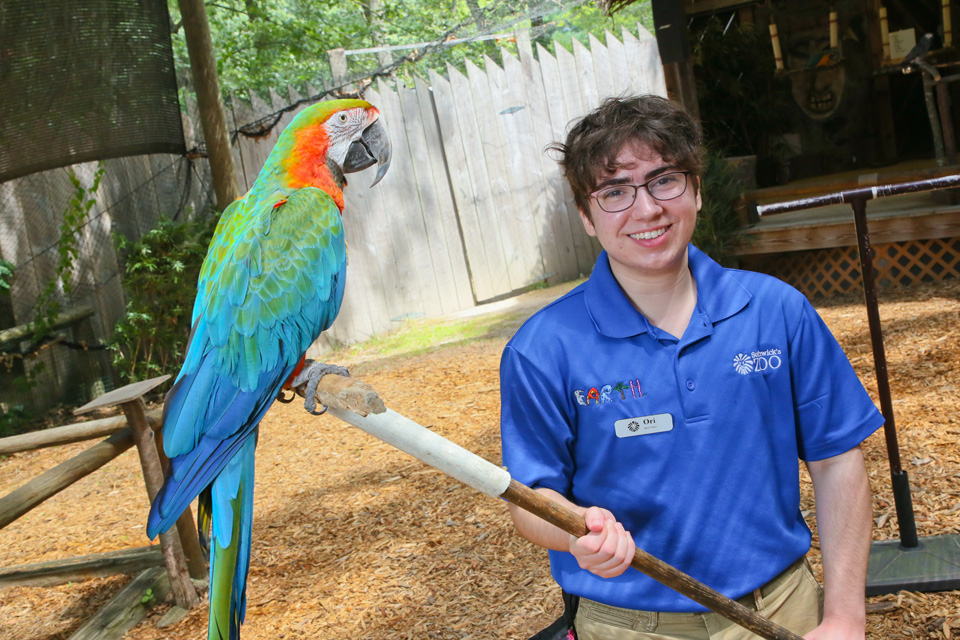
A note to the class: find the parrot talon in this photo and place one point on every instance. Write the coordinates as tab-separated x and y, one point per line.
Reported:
310	376
284	399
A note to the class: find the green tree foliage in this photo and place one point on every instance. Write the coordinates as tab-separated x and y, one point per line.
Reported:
160	280
262	45
587	19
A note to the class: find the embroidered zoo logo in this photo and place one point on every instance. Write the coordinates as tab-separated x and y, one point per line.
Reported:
757	361
608	393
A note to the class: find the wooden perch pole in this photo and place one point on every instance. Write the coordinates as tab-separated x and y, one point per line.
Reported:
369	414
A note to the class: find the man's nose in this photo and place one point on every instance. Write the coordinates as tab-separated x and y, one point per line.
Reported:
645	205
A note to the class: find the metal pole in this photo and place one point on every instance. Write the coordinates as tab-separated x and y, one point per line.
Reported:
901	483
934	121
946	123
857	198
931	77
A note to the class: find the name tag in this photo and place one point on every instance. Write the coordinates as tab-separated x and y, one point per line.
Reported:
629	427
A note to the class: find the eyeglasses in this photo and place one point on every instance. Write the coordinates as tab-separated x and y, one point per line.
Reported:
666	186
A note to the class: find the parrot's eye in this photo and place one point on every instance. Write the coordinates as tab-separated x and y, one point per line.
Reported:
342	118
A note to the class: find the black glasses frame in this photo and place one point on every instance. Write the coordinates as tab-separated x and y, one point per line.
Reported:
636	188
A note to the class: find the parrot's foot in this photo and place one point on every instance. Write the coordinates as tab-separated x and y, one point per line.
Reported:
310	375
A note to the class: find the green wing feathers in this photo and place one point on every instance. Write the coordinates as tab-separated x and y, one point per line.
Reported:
257	291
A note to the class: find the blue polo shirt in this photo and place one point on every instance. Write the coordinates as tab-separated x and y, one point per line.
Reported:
693	444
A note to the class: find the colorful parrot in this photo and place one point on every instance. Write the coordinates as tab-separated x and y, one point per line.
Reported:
272	280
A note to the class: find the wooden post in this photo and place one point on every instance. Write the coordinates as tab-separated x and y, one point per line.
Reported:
338	69
682	86
186	527
203	66
129	399
144	438
173	558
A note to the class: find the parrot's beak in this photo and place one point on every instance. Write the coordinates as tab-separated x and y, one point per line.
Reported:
372	147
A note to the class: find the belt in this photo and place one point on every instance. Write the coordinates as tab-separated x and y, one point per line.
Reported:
754	600
628	618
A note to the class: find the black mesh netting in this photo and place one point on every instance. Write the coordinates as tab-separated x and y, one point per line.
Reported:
85	81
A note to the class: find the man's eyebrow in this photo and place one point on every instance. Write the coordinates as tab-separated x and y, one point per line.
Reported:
610	182
661	170
613	181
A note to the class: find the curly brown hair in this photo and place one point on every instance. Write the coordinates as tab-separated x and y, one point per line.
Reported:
592	146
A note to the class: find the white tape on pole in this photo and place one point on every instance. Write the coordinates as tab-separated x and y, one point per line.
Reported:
433	449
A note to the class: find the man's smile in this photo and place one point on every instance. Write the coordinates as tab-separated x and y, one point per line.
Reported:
649	235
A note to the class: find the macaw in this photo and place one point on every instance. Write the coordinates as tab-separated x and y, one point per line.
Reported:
272	281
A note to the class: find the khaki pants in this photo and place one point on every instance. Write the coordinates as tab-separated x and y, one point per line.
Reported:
793	600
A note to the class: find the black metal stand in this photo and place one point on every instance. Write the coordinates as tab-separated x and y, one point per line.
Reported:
914	564
901	483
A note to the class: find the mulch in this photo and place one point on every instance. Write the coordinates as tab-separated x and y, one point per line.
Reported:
354	539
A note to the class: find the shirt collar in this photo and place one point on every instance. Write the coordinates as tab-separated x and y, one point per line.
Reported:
719	296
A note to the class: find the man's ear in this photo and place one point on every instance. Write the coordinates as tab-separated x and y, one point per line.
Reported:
587	223
699	199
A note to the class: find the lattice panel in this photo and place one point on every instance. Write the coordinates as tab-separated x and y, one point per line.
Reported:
826	272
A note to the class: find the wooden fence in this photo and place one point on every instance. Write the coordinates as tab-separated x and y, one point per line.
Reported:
133	193
473	208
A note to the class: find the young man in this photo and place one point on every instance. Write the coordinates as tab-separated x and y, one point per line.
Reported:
668	400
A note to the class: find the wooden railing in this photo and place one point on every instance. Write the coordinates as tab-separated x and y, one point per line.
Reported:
179	551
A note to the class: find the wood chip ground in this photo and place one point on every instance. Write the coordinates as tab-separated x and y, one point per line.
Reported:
353	539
